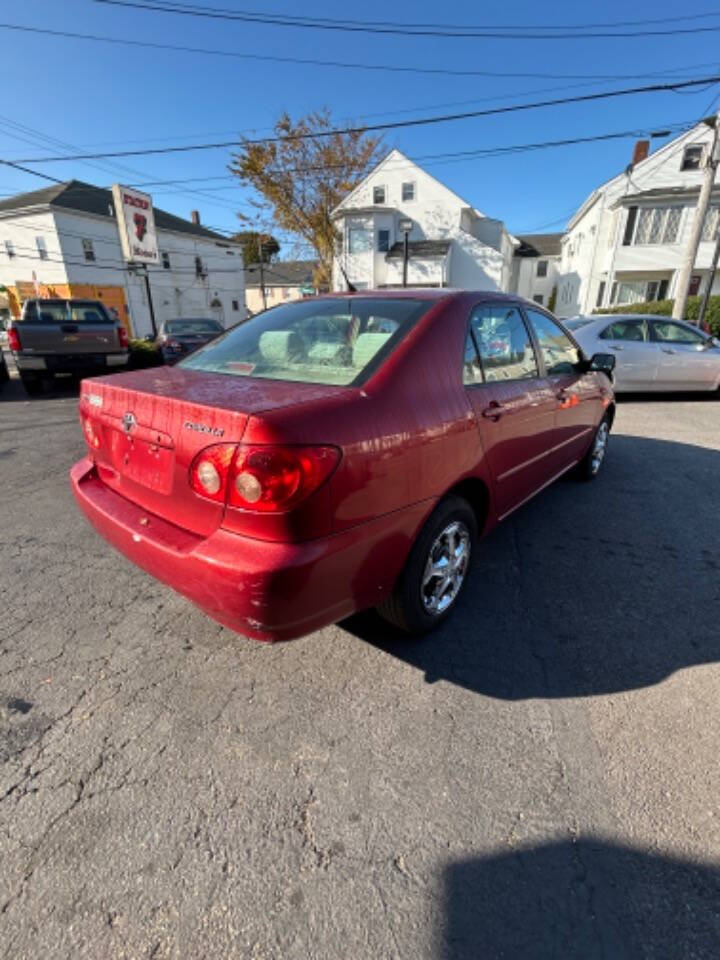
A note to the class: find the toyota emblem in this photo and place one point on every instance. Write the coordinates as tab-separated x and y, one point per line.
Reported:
129	421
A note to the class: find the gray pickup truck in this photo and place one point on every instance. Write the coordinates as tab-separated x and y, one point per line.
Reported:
75	337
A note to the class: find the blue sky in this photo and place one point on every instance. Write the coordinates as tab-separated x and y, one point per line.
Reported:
102	97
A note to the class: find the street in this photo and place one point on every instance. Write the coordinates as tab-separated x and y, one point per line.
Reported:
537	779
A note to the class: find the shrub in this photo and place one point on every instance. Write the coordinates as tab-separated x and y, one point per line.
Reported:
664	308
144	354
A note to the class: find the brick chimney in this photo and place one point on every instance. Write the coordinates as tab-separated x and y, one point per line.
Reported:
195	216
640	151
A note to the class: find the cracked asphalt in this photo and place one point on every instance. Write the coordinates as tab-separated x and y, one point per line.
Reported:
539	779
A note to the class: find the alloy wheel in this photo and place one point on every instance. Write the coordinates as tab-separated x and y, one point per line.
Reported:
446	566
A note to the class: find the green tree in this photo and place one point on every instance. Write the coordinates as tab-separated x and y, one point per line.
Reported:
303	173
253	242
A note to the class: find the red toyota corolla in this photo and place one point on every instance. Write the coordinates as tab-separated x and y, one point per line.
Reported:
339	453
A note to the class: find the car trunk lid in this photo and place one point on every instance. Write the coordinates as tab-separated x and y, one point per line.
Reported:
152	424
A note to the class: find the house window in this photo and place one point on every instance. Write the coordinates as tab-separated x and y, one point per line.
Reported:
165	260
9	249
600	294
199	269
41	247
383	241
378	194
539	298
663	290
692	157
712	222
408	191
639	291
657	225
359	240
88	250
541	270
236	304
629	226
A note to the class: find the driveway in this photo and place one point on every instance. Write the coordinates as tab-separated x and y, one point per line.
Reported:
537	779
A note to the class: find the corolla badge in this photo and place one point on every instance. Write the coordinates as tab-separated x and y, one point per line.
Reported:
129	421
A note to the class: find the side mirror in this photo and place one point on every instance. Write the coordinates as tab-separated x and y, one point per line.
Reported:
603	362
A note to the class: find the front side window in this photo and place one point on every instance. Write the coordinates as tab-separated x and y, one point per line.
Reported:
359	240
337	341
692	157
408	191
624	330
504	344
383	241
663	331
378	194
559	352
88	250
542	267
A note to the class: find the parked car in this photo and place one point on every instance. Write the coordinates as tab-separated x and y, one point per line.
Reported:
177	338
4	372
653	352
77	337
283	478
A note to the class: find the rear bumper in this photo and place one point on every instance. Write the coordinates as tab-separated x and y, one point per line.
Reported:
95	363
265	590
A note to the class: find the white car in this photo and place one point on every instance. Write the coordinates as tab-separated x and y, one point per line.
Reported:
653	353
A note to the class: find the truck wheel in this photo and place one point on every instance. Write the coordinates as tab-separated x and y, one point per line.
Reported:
436	569
33	385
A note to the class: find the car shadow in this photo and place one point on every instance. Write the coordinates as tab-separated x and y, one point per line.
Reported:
589	588
579	898
670	396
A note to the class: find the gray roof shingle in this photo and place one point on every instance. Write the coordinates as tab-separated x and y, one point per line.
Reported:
419	248
291	273
87	198
539	245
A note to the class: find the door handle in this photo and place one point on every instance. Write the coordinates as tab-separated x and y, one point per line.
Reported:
668	350
493	411
612	347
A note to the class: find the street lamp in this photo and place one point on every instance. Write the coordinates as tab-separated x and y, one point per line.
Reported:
405	226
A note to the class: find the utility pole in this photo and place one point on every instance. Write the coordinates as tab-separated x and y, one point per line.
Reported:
683	284
262	272
711	280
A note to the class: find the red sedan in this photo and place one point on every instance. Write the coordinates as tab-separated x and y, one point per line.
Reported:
339	453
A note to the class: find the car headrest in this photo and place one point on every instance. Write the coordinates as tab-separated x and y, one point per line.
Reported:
281	346
367	345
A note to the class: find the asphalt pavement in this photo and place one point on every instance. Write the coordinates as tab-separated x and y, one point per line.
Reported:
538	779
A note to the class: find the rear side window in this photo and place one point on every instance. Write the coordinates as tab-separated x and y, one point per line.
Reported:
334	341
503	343
559	352
65	311
624	330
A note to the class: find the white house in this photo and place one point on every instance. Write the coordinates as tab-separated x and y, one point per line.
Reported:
625	243
64	241
451	244
536	266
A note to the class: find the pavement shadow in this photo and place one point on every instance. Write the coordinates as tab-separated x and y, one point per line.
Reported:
582	898
589	588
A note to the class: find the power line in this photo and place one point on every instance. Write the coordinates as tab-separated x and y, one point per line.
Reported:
487	33
393	125
334	64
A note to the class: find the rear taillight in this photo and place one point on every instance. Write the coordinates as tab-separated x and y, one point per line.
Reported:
91	435
210	471
123	337
267	479
14	339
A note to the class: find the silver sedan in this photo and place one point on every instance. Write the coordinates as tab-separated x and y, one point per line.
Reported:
653	353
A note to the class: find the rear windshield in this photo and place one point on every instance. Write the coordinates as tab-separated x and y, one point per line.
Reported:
335	341
576	322
65	311
179	327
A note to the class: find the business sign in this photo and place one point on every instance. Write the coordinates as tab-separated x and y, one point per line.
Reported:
136	223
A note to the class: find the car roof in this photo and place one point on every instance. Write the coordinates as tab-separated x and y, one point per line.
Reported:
431	293
625	316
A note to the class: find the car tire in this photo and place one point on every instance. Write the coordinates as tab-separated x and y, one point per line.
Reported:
590	465
33	385
423	598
